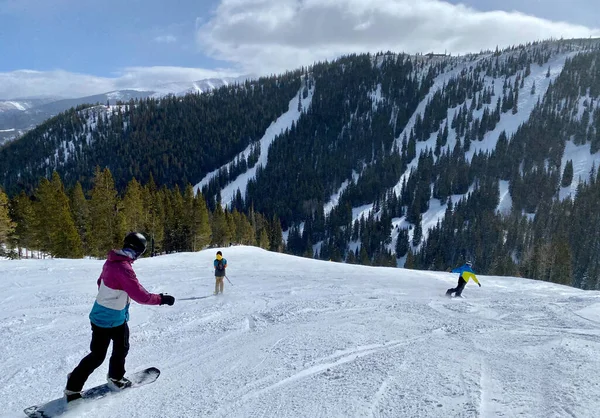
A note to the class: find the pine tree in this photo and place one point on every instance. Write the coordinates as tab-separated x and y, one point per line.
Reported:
80	213
567	177
154	215
418	232
202	231
45	224
363	256
54	226
7	226
22	213
133	207
402	243
221	234
263	239
410	260
276	235
103	233
67	242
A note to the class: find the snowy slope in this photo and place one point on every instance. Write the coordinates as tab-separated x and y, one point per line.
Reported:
583	164
296	337
277	127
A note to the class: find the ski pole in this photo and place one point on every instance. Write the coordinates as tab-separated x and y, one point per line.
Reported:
229	280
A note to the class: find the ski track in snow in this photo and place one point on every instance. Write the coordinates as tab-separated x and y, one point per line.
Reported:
296	337
276	128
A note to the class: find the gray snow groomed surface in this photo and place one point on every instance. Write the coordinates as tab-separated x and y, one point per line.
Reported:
296	337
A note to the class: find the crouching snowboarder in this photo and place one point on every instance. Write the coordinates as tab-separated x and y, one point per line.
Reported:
466	273
116	286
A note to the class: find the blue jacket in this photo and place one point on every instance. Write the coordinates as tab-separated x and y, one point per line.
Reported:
220	273
466	273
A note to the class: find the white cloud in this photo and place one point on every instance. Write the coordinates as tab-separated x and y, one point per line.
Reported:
165	39
275	35
27	83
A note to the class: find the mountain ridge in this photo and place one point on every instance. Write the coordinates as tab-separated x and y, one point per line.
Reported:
22	115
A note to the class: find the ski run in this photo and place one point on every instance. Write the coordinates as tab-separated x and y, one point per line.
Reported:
294	337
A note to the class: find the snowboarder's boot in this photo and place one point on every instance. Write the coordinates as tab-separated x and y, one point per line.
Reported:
449	292
119	384
71	395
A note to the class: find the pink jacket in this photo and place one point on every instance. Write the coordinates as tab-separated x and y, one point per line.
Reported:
116	285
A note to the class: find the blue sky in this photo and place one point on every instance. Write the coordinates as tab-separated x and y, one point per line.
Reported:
78	47
99	37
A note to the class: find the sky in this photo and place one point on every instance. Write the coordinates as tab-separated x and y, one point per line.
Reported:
73	48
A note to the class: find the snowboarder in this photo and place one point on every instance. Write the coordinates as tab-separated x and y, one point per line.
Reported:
220	264
117	284
466	273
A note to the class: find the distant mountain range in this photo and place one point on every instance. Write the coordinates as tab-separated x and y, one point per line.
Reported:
17	116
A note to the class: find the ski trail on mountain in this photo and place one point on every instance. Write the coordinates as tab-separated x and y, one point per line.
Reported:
276	128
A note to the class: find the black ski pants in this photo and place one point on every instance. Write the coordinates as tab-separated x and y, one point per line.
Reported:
101	338
458	289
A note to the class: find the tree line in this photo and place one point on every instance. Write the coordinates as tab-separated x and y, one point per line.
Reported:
72	223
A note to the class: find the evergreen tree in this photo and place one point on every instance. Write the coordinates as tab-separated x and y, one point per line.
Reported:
567	177
103	232
263	239
133	207
54	226
80	213
202	230
410	260
402	243
221	233
418	232
23	215
7	226
276	235
154	216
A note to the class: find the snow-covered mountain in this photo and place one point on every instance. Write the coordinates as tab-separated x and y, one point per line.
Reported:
378	159
17	116
294	337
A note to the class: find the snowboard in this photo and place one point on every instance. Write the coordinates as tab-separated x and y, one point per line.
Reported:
59	406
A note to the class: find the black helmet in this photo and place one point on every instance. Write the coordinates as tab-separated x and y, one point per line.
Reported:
470	263
136	242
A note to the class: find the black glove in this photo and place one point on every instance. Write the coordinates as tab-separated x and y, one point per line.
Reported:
166	299
479	284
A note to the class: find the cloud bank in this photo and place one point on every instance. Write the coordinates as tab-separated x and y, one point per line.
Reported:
274	35
270	36
28	83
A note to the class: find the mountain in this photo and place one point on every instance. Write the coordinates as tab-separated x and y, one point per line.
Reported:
20	115
420	161
294	337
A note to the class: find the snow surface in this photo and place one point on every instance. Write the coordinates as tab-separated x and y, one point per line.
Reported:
583	162
296	337
277	127
505	205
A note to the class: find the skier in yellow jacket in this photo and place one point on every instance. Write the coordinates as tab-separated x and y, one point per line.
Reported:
466	273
